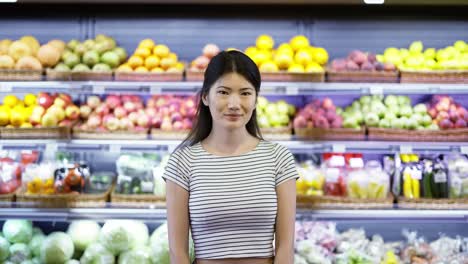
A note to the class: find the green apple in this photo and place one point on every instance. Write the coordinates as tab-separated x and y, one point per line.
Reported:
412	123
366	99
81	68
442	55
385	123
275	120
403	100
416	47
372	119
262	102
62	67
415	61
282	107
91	58
89	44
72	44
283	119
433	127
460	45
72	60
350	122
390	116
420	109
426	120
102	67
430	63
398	123
430	53
406	111
391	100
271	109
339	110
404	53
263	121
110	58
121	52
356	105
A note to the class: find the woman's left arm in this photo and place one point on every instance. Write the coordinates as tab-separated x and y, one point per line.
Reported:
285	222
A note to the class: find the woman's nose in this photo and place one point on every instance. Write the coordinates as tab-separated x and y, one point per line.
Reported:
233	102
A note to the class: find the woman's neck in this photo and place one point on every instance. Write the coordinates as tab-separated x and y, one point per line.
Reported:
229	141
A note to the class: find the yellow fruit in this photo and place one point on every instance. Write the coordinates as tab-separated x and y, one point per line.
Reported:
4	45
10	100
32	43
142	52
314	67
320	55
157	69
141	69
152	62
283	60
251	51
16	118
4	115
30	99
303	57
173	56
19	49
299	42
301	186
26	125
265	42
268	66
167	63
261	56
285	48
161	51
146	43
174	69
180	66
297	68
135	61
124	68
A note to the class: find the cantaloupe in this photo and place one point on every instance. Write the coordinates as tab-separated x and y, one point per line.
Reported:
28	63
48	55
58	44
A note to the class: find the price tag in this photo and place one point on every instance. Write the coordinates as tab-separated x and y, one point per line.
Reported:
337	161
332	175
376	90
464	149
440	177
356	163
6	88
338	148
406	149
99	89
114	148
281	90
416	174
292	90
155	90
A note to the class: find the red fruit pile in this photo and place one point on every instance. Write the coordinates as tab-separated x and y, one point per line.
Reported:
447	113
361	61
201	62
320	114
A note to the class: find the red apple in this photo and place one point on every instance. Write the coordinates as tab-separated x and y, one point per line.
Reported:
166	125
65	123
160	102
126	124
143	121
102	110
57	111
112	123
93	101
49	120
45	100
113	101
133	116
94	121
150	111
187	124
164	111
327	103
178	125
300	122
120	112
210	50
176	117
72	112
129	106
85	111
151	103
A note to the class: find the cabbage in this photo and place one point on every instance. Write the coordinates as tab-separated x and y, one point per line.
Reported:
97	254
36	260
57	248
115	236
72	261
140	255
4	249
35	244
159	243
29	261
19	252
18	231
37	231
139	232
83	233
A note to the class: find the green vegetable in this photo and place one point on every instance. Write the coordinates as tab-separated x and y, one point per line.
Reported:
18	231
115	236
35	244
97	254
4	249
19	252
159	243
427	179
141	255
57	248
83	233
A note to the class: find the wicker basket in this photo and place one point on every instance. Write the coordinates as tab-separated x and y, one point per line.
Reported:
161	134
293	77
92	134
137	200
194	76
35	133
449	76
20	75
91	76
150	76
6	200
426	203
458	135
362	76
330	134
87	200
53	75
277	133
331	202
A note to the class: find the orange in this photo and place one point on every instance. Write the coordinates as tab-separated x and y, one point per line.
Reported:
141	69
135	61
146	43
161	51
152	62
142	52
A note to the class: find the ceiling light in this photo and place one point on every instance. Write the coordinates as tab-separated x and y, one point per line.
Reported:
374	2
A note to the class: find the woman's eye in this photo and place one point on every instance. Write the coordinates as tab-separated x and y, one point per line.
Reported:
222	92
246	93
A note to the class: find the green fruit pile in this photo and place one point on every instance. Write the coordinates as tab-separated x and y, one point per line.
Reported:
274	114
390	112
99	55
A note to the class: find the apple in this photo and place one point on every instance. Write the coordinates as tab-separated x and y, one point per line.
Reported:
445	124
372	119
102	110
35	119
328	104
113	101
178	125
406	111
38	110
385	123
129	106
85	111
94	121
166	125
65	123
143	121
187	124
57	111
49	120
156	121
120	112
133	116
45	100
460	123
164	111
126	124
398	123
426	120
93	101
176	117
151	103
112	123
72	112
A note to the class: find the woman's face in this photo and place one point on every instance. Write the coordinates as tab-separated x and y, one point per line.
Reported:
232	100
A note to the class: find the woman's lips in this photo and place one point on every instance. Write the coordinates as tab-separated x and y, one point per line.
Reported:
232	117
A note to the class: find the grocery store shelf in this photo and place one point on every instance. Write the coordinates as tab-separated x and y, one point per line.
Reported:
293	145
268	88
157	215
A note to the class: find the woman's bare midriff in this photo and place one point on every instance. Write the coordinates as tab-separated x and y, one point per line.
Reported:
235	261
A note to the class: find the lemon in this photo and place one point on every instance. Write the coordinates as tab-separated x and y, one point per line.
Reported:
152	62
283	60
320	55
157	69
161	51
314	67
135	61
265	42
172	55
268	66
299	42
285	48
141	69
124	68
142	52
296	68
147	43
4	115
261	56
10	100
251	51
303	57
30	99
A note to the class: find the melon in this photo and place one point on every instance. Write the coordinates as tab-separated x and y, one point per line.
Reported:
4	45
6	62
32	43
48	55
28	63
58	44
19	49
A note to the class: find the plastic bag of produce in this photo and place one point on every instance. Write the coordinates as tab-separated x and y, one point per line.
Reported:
159	243
352	239
97	254
323	234
18	231
39	178
142	255
57	248
83	233
335	175
311	179
135	174
379	180
446	247
416	249
299	260
358	184
458	175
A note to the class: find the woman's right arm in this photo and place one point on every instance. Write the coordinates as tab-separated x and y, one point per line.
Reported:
178	222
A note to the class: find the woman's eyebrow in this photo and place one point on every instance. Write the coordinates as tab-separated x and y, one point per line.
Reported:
228	88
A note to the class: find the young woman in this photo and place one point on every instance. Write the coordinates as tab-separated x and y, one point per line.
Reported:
234	190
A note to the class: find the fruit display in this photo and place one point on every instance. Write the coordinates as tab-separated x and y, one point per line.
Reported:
297	56
370	181
135	173
458	173
86	242
311	180
26	53
12	165
274	114
319	114
416	58
41	110
447	113
390	112
152	57
321	242
358	60
201	62
100	54
171	113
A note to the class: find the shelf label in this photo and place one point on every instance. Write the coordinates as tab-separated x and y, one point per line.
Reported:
356	163
99	89
464	149
155	89
440	177
338	148
292	90
114	148
6	88
376	90
406	149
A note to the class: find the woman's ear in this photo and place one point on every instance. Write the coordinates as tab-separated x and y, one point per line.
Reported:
205	99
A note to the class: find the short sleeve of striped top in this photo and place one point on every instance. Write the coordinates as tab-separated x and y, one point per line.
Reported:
285	165
178	168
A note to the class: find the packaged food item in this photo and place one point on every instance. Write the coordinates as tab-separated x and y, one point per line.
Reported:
135	174
99	182
458	175
379	180
70	178
358	183
416	249
39	178
440	179
311	179
411	176
335	174
9	174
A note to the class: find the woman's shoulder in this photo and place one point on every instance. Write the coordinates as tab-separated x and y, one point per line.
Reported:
185	151
273	146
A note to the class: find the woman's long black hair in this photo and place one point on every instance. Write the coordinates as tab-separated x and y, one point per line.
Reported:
225	62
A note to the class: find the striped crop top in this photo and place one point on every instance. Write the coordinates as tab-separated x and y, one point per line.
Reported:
232	199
